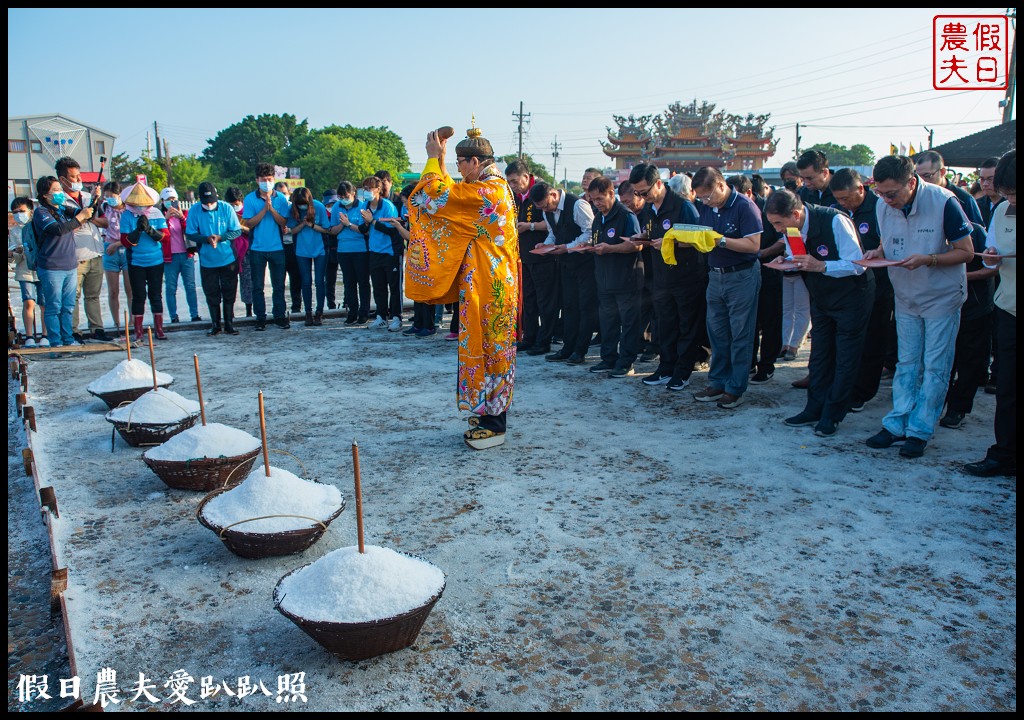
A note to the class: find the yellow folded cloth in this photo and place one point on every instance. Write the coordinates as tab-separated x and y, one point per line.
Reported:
700	237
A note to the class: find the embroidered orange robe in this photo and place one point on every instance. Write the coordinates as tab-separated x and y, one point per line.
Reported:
463	246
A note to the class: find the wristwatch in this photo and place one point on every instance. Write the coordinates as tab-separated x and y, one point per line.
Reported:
721	241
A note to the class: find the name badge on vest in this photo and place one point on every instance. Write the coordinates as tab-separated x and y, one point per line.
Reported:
666	224
611	232
863	228
822	251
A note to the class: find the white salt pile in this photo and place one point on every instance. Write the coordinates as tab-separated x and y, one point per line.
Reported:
205	441
283	493
156	406
126	375
346	586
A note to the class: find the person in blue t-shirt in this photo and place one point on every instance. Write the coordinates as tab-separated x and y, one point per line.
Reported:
144	232
263	215
213	227
384	261
306	220
353	256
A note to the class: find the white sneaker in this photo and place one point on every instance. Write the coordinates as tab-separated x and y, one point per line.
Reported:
29	343
378	324
396	325
44	342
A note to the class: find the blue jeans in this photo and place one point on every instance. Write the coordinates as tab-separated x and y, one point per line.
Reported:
926	349
732	319
258	263
180	264
313	269
60	290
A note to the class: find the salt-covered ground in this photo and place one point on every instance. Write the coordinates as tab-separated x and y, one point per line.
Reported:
627	549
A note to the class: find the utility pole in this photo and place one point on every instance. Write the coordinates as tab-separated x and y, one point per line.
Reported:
1011	72
149	148
931	137
156	134
167	164
798	140
554	153
520	116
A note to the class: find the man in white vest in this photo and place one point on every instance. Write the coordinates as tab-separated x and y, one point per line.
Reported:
924	228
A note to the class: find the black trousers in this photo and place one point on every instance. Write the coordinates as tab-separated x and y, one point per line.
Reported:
835	352
147	282
970	363
540	302
619	317
332	276
291	268
648	318
423	316
768	335
220	285
579	304
681	309
876	344
1005	449
384	279
355	275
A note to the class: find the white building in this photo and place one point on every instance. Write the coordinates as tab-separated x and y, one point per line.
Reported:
35	142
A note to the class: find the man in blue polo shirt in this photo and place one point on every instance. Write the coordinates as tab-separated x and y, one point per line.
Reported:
734	280
263	215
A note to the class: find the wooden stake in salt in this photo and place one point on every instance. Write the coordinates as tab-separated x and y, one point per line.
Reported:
127	335
263	435
153	358
199	389
359	495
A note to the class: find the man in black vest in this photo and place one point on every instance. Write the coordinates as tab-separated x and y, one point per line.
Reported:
931	166
540	272
841	295
569	220
648	322
991	198
859	203
680	289
620	280
816	176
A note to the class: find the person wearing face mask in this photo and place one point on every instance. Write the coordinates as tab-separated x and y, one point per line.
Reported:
28	281
353	256
115	257
89	249
331	248
213	228
54	224
241	244
384	261
291	264
463	245
307	219
178	260
263	215
144	232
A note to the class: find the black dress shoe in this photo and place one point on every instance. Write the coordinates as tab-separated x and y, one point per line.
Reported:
884	439
913	447
539	350
100	336
990	468
283	323
230	329
215	330
261	324
575	359
556	357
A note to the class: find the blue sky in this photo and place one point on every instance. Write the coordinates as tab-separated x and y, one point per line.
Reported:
847	76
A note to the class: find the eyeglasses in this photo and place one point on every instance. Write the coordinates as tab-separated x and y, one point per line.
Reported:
707	198
643	193
890	195
931	176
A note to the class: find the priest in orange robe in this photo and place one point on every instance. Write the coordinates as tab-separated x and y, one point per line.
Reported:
463	247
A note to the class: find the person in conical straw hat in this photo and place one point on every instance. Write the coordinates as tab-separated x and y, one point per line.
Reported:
144	232
463	247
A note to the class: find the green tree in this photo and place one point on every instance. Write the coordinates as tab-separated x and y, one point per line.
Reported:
329	158
536	169
122	169
236	150
839	156
188	171
381	146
